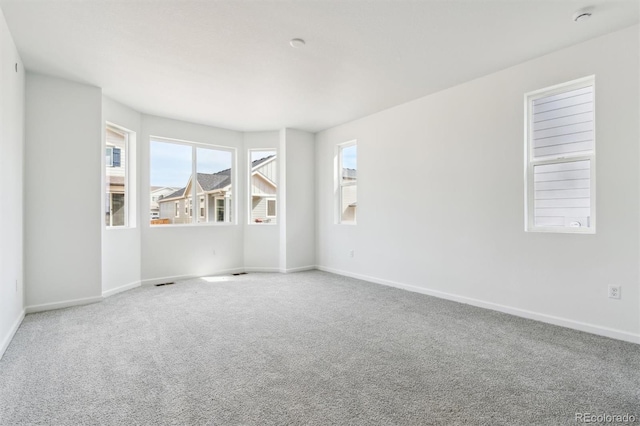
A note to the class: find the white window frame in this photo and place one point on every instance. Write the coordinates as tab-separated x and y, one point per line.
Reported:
339	184
250	187
530	161
177	205
129	191
194	159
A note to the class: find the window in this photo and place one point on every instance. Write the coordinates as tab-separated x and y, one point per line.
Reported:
116	177
182	172
263	186
220	209
347	177
271	208
560	158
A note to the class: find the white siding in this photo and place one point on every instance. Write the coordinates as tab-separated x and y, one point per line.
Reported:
261	187
562	194
269	170
563	123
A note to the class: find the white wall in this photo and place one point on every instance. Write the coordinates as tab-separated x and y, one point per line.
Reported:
11	183
298	241
121	246
173	251
441	202
62	192
261	241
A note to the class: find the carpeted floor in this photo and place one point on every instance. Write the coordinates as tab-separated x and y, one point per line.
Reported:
310	348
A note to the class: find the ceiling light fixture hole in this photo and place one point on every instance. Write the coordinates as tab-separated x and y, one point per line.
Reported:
581	16
297	43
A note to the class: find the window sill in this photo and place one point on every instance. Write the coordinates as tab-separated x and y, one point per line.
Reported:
561	230
190	225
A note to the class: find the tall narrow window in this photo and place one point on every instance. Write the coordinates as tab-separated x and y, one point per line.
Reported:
560	158
214	182
116	177
263	186
347	176
187	178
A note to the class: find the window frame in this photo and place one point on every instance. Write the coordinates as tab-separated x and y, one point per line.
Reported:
530	161
249	187
129	144
194	219
339	184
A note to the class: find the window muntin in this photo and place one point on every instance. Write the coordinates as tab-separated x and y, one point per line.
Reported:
116	178
560	158
263	187
348	182
187	172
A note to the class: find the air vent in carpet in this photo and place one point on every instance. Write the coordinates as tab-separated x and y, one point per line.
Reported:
160	285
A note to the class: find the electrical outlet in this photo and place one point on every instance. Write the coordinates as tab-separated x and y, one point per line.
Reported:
614	291
352	253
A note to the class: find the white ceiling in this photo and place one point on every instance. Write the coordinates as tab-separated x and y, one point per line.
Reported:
229	63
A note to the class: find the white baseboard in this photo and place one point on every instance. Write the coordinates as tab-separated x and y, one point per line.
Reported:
261	269
61	305
298	269
120	289
163	280
549	319
12	332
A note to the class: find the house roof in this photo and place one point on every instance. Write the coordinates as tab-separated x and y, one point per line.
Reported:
212	181
349	173
208	182
261	161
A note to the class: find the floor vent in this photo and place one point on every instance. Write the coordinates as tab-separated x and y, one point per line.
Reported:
240	273
160	285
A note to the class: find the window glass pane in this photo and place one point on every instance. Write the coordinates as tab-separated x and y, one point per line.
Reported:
170	174
116	178
214	184
349	195
562	123
348	183
562	194
349	163
264	170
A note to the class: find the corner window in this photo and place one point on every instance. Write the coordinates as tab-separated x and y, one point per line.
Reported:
187	177
347	178
116	177
560	158
263	186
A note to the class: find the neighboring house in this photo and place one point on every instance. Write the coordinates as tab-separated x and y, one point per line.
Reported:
158	193
214	194
349	195
263	190
115	178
